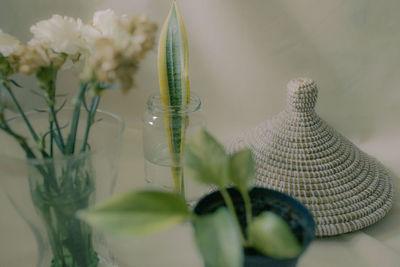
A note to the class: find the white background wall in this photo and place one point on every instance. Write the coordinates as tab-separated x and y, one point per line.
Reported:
242	53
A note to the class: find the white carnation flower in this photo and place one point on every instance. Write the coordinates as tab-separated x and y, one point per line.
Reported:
121	45
106	22
62	34
112	26
32	58
8	44
90	35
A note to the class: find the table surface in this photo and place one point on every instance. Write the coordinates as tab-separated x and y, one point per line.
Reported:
378	245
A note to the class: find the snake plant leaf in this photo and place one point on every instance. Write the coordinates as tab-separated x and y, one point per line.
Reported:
138	213
173	71
173	54
272	236
218	239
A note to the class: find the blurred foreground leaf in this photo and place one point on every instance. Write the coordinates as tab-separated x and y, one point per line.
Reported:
272	236
138	213
241	166
206	160
218	239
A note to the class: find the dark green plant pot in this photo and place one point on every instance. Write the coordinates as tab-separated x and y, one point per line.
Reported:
292	211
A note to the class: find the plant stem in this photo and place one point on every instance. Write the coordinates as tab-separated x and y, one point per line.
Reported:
247	207
90	120
29	153
50	86
75	120
231	208
59	139
23	116
21	111
177	175
21	140
51	125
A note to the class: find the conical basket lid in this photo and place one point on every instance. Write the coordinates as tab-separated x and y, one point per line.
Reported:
301	155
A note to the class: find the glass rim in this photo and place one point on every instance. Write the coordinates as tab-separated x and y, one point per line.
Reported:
60	158
154	104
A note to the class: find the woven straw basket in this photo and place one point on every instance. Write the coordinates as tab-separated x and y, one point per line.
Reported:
299	154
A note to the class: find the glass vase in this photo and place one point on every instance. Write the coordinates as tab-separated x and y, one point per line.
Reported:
165	132
48	192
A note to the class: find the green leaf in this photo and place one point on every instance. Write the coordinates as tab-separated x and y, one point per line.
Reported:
45	75
15	83
242	172
5	68
173	73
138	213
61	106
272	236
38	110
218	239
206	160
173	67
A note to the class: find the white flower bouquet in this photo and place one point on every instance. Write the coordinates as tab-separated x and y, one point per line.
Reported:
109	50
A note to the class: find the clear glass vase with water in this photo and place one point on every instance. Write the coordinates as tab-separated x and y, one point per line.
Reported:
163	162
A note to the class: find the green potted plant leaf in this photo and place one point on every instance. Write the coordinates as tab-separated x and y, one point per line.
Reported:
234	226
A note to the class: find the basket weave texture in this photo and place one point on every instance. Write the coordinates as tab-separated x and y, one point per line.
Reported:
300	154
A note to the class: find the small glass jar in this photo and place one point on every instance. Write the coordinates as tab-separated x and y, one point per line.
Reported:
166	130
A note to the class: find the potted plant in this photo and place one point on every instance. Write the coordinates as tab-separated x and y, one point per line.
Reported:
234	226
66	151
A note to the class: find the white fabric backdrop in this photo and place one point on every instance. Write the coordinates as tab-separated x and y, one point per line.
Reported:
242	54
